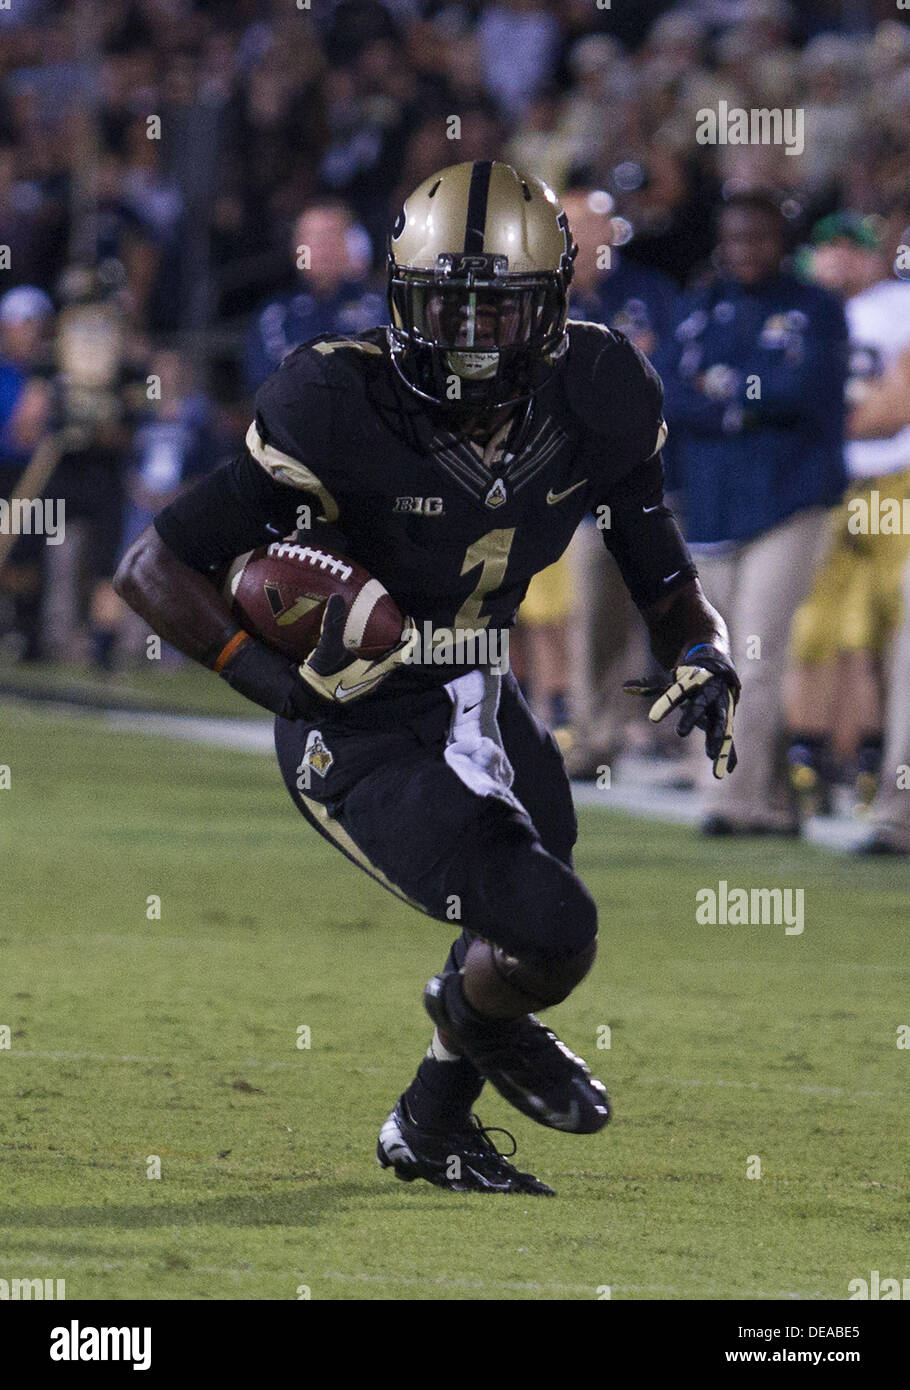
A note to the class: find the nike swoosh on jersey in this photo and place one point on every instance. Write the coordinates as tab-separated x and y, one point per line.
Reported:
668	577
554	497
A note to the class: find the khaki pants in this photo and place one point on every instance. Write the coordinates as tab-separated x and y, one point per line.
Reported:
757	587
890	811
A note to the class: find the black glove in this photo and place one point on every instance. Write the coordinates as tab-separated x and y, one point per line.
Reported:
269	679
706	685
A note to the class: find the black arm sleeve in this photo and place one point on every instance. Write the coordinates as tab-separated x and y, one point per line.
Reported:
233	509
644	537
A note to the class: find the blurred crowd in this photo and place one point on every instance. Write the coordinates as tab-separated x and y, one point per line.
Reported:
188	190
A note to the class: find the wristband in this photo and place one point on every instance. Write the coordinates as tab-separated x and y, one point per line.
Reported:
228	650
266	677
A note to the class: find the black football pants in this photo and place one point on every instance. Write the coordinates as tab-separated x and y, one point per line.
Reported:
425	807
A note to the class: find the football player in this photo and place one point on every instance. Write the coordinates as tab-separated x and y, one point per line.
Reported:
453	455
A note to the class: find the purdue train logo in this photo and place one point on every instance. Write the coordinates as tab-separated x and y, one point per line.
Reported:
497	494
316	755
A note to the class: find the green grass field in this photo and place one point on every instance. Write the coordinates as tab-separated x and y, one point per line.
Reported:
177	1037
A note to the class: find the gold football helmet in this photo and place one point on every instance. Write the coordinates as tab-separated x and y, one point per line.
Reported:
480	260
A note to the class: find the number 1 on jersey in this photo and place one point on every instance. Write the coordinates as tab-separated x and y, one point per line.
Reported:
491	553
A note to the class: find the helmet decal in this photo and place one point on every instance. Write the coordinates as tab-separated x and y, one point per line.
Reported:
478	195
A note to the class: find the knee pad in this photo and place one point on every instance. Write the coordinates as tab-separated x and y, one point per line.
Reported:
520	896
545	912
543	983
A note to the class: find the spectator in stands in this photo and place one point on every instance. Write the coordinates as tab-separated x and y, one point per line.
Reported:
754	382
123	236
31	227
667	198
539	145
333	255
174	444
519	45
94	401
375	95
26	317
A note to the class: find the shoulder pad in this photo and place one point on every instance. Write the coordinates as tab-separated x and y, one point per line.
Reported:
314	377
298	410
336	358
613	390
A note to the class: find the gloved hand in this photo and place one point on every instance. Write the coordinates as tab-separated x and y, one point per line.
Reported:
335	673
706	687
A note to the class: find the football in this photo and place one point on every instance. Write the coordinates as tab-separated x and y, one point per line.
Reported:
279	592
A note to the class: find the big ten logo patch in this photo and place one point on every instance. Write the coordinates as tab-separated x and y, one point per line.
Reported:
419	506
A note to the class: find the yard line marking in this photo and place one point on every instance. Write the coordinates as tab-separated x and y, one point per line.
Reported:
243	735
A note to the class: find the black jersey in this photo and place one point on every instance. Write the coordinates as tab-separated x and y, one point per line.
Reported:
342	451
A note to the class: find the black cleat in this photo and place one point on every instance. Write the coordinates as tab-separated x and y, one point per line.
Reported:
466	1161
528	1065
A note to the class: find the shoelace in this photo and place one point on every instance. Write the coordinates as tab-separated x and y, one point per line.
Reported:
483	1132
